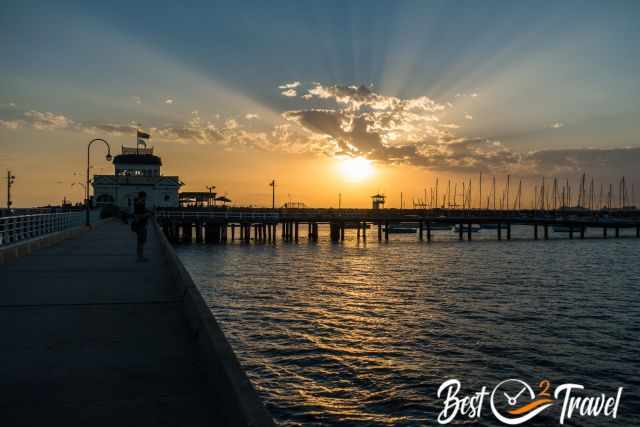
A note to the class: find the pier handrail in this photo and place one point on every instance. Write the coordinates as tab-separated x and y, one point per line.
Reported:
17	228
227	214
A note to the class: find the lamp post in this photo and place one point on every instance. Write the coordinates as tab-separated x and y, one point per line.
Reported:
108	157
10	180
273	193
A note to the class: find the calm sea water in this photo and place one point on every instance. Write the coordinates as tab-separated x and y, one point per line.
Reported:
364	333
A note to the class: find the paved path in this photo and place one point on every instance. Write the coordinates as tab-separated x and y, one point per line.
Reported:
89	337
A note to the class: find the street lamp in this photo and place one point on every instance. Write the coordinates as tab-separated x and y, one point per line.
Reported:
108	157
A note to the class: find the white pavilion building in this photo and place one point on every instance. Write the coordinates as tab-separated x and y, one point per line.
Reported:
136	169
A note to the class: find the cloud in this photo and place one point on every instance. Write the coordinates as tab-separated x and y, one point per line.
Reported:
410	131
289	93
622	160
47	121
466	95
394	130
359	121
137	99
231	124
291	85
556	125
11	124
168	101
111	129
12	104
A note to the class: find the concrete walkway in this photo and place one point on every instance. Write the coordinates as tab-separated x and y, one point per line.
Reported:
89	337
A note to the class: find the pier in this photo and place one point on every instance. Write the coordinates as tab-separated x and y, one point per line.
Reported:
265	225
92	338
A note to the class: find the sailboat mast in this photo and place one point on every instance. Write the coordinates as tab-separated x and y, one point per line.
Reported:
494	192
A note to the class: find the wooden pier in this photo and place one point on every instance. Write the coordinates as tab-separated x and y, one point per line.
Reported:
264	225
93	338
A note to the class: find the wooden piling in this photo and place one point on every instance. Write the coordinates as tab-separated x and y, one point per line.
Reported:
535	231
469	232
617	232
386	231
571	231
508	231
379	232
187	231
582	232
428	231
546	232
604	232
198	232
499	231
364	231
296	231
421	231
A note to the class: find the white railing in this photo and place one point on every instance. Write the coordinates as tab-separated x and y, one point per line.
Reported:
17	228
228	215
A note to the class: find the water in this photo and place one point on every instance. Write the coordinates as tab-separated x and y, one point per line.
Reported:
364	333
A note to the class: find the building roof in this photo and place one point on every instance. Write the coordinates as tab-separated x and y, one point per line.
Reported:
139	159
136	180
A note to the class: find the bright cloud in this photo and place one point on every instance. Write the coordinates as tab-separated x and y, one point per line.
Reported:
291	85
168	101
289	93
47	121
356	121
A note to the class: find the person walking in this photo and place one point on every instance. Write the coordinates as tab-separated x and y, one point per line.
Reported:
140	217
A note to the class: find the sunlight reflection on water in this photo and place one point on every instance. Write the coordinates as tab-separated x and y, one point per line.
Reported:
364	333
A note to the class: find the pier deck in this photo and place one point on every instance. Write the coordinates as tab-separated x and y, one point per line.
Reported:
90	337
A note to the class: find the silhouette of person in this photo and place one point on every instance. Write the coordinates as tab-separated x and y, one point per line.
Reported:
141	215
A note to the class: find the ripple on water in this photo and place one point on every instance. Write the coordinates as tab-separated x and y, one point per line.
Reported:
363	334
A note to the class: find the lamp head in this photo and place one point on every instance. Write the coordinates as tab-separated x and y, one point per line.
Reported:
109	157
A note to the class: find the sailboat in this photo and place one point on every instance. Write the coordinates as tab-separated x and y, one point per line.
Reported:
465	228
567	229
406	228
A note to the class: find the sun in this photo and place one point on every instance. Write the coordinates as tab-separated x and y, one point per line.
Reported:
356	169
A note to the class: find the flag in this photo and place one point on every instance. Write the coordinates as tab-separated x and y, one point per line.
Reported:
142	137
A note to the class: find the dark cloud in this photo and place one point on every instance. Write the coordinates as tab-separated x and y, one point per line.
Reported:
569	161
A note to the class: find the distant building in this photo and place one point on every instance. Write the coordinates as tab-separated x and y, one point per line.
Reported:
136	169
377	201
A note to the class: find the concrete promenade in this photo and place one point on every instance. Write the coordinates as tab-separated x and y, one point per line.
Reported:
91	338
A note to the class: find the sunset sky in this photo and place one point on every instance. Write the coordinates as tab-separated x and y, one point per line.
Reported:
235	94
